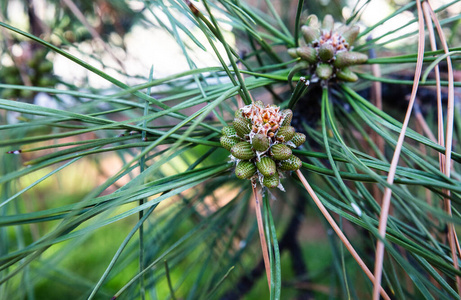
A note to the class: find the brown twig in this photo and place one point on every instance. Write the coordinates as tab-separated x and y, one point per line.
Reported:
338	231
377	100
395	160
446	164
289	243
262	236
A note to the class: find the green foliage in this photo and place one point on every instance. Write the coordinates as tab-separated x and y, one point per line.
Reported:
124	189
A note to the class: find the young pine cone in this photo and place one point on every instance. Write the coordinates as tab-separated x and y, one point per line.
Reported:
327	52
260	141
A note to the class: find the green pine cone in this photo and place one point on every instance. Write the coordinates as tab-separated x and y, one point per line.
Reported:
242	126
324	71
9	93
12	80
293	163
345	59
266	166
260	142
286	133
310	34
242	150
45	66
308	54
288	116
238	114
272	181
228	131
350	34
298	139
328	22
227	142
326	52
45	81
9	71
346	74
281	151
292	53
26	94
245	169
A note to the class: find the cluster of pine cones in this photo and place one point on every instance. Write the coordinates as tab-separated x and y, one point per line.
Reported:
38	69
327	52
261	137
260	141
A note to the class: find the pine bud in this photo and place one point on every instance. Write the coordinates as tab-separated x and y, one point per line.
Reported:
344	59
228	131
285	133
26	93
328	22
288	116
308	54
280	151
292	52
293	163
326	52
266	166
242	126
310	34
45	66
346	74
350	34
242	150
245	169
238	114
298	139
324	71
260	142
228	142
260	104
272	181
